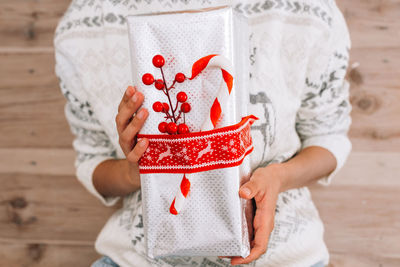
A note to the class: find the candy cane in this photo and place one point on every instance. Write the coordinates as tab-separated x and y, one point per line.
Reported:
179	199
217	108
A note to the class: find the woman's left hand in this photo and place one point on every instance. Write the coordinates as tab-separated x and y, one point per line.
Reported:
264	186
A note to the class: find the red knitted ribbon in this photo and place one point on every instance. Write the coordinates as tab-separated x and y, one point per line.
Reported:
200	151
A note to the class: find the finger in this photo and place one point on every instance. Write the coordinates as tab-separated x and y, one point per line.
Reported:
124	116
128	94
128	135
259	244
255	253
263	225
138	151
263	222
253	187
249	214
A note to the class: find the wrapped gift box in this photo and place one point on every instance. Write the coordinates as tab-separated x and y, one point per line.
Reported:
212	221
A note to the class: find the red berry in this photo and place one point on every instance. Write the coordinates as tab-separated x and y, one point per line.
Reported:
165	107
162	127
157	106
159	84
180	77
183	128
158	61
172	128
181	97
148	79
185	107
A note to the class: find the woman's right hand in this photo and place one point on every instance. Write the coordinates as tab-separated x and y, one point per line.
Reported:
128	126
119	177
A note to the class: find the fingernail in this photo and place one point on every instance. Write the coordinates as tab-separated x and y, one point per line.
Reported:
140	114
246	191
129	91
142	143
135	97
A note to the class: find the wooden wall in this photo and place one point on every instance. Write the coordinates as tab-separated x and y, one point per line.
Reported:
42	225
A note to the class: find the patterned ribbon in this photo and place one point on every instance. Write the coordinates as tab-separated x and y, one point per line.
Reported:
201	151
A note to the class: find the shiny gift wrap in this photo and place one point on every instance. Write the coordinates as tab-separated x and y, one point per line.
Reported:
212	221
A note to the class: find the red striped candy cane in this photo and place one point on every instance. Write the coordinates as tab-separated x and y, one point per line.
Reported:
218	106
179	199
225	88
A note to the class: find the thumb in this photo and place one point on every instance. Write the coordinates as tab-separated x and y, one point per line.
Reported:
249	190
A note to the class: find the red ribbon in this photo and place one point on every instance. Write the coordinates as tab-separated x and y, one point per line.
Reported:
201	151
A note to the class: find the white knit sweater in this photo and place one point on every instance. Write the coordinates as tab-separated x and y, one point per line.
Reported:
299	55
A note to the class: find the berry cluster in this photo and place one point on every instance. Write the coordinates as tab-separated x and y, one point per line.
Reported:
171	114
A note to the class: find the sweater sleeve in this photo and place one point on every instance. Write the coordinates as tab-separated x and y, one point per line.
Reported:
91	143
324	116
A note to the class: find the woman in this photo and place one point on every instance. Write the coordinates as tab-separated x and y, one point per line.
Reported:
299	55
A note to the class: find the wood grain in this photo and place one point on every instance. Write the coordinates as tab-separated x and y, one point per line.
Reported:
31	103
372	23
38	161
29	23
360	260
366	216
379	67
41	122
370	168
19	254
29	198
22	69
375	119
33	123
49	208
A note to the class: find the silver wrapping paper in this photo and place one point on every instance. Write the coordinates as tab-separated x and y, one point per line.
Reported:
212	223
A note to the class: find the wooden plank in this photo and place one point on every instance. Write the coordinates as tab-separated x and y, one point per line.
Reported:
361	215
370	168
25	69
373	168
32	23
372	23
358	210
361	220
45	255
41	122
31	103
31	121
375	119
17	254
361	260
367	143
379	67
48	200
29	23
49	209
366	229
375	92
38	161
